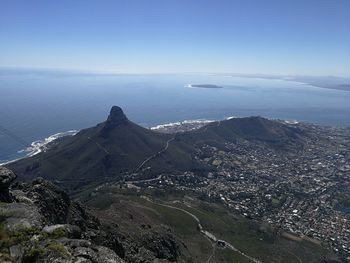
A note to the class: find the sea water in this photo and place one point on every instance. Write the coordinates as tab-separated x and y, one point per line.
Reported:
35	105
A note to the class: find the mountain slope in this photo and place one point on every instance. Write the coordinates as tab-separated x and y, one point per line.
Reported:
106	150
273	134
118	147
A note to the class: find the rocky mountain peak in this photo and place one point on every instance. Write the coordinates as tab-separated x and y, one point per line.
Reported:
116	116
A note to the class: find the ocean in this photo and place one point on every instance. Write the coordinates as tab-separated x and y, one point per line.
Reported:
36	105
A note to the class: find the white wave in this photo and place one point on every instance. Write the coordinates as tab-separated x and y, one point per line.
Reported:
41	145
197	121
7	162
179	123
291	121
188	86
232	117
166	125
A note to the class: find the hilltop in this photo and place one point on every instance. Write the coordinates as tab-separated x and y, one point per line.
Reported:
117	148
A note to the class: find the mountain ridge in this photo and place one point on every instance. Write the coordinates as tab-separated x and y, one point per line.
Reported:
117	146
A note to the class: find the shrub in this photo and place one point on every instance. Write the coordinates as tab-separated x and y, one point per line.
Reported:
32	254
57	248
59	232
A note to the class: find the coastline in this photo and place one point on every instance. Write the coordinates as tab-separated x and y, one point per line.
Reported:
39	146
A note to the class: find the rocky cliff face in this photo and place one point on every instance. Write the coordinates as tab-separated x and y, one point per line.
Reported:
39	223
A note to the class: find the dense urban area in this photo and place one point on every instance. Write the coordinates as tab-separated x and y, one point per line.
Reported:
304	192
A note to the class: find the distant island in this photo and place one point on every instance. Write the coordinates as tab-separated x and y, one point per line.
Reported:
204	86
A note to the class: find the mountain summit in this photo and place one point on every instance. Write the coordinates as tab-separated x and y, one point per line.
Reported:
116	116
118	147
106	151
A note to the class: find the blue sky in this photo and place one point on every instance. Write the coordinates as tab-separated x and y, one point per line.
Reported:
305	37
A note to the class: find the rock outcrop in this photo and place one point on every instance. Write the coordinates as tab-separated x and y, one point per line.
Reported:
162	243
6	178
116	116
39	223
115	119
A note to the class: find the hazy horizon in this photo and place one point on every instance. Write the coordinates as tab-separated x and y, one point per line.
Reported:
106	72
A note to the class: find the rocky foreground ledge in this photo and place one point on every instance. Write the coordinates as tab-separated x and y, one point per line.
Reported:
39	223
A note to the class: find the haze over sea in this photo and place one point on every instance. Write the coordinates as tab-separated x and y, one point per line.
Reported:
37	104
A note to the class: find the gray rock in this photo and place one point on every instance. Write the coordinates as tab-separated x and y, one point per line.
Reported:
16	253
60	260
106	255
21	197
52	201
82	260
162	242
85	252
6	178
19	215
94	254
52	228
45	208
71	230
78	215
74	243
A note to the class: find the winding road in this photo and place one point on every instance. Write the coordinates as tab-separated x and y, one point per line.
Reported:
206	233
156	154
218	123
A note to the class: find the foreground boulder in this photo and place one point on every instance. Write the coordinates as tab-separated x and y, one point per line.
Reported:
6	178
39	223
